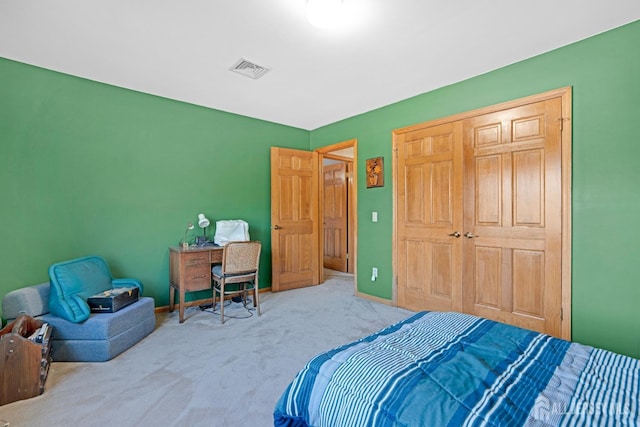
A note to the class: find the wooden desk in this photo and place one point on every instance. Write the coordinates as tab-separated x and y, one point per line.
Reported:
190	270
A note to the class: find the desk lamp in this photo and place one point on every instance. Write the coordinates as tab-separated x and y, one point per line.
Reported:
203	223
183	241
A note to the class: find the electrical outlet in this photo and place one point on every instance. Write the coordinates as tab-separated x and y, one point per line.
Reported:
374	216
374	273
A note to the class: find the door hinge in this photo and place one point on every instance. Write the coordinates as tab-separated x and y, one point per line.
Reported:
562	119
561	314
347	255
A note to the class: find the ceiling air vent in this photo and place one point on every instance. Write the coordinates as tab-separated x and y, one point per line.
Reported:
249	69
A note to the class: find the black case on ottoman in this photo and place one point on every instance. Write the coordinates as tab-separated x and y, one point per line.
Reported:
113	300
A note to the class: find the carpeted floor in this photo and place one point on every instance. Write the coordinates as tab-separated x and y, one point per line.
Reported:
202	373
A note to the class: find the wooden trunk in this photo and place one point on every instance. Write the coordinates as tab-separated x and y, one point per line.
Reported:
24	365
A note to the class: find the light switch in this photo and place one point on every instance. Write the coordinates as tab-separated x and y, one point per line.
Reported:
374	216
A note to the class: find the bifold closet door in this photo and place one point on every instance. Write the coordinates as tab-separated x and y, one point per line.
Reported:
479	214
513	216
429	218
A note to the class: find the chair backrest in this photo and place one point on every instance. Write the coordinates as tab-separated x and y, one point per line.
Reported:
241	257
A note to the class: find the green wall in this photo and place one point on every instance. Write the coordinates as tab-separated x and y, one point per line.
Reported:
87	168
90	168
604	72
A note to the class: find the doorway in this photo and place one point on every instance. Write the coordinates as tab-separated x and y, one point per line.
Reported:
338	206
297	199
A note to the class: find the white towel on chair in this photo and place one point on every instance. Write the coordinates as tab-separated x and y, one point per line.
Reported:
231	230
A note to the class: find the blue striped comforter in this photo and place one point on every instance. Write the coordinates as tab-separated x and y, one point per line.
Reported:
453	369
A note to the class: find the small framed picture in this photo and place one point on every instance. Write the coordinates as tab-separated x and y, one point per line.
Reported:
375	172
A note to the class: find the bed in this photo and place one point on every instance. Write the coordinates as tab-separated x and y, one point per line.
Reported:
454	369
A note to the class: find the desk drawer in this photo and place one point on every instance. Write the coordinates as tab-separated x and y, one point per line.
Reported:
216	257
195	259
197	277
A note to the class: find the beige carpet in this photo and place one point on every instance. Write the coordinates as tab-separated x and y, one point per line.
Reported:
202	373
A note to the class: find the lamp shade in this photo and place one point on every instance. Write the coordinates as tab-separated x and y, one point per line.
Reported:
203	221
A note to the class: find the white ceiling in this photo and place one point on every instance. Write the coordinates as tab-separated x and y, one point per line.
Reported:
388	51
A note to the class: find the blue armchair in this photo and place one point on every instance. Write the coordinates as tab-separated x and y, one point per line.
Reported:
72	282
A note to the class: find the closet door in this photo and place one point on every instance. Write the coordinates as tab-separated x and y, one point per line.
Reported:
429	217
513	216
501	178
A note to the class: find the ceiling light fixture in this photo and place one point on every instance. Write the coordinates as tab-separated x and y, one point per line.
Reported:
324	13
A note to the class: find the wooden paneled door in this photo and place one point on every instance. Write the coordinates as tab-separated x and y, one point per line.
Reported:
294	219
335	216
428	216
513	216
482	213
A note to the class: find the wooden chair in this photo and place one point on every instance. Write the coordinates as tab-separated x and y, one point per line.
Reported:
240	265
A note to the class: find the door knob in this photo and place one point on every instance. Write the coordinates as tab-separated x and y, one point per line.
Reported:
469	235
276	227
455	234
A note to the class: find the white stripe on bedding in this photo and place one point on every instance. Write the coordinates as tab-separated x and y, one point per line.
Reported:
485	406
560	388
599	398
377	373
